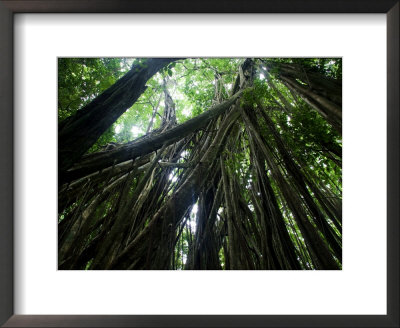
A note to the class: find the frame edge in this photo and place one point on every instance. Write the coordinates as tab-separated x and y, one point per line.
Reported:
6	165
6	206
393	167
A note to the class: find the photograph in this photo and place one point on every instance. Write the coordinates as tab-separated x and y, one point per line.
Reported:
199	163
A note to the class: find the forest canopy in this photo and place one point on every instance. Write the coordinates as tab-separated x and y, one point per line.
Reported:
200	163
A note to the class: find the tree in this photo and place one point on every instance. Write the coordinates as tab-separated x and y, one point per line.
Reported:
77	133
237	164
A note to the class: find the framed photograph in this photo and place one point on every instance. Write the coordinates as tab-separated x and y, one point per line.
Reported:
168	164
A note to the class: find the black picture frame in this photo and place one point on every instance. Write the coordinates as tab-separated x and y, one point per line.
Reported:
7	10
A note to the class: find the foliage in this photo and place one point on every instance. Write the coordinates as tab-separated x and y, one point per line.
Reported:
281	160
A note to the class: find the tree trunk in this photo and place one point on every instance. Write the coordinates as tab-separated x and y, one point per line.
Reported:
79	132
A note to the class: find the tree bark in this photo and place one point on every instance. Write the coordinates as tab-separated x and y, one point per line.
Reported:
78	133
142	146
